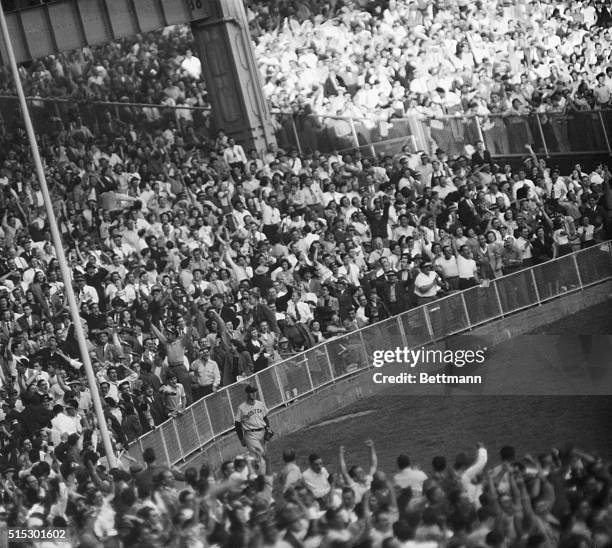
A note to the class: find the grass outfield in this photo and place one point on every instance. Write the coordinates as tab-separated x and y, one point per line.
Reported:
424	426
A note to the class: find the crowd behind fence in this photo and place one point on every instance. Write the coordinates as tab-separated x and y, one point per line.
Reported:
578	133
50	116
208	419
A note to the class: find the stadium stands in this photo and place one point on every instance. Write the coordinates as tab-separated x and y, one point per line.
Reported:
197	263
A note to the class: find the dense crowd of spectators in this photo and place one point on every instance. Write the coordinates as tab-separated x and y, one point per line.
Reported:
559	499
432	58
197	263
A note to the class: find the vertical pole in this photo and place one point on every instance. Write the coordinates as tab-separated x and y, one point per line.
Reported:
280	384
478	129
603	127
178	439
364	349
212	431
59	249
354	132
465	309
542	135
535	286
195	424
499	303
400	323
312	386
331	369
296	134
160	433
577	271
428	322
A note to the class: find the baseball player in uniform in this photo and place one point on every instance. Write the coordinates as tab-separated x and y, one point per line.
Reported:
252	426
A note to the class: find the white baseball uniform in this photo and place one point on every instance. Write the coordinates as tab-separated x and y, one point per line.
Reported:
251	417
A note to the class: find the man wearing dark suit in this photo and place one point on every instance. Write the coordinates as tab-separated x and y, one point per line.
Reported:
95	278
156	405
327	305
481	156
29	322
345	298
393	293
227	313
280	302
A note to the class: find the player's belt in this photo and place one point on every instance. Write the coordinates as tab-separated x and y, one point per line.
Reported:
255	430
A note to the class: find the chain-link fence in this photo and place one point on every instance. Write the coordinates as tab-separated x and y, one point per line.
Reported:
280	384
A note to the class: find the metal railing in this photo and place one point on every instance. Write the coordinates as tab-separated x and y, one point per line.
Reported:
210	418
52	115
549	134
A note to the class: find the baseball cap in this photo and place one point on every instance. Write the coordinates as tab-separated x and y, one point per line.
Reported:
250	389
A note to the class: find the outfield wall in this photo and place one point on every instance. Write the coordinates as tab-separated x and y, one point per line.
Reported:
327	401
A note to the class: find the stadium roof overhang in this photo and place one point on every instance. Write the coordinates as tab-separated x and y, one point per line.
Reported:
64	25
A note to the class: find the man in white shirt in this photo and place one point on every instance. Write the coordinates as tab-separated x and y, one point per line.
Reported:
427	284
467	268
192	65
409	476
206	373
271	218
446	266
444	187
234	155
67	422
523	244
316	479
86	293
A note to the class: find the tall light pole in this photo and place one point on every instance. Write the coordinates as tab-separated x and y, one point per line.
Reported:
59	250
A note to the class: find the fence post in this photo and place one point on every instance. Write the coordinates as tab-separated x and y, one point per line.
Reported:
165	446
331	369
478	128
577	270
605	132
401	328
542	135
259	390
200	444
364	348
212	431
465	309
280	384
354	132
499	303
428	322
178	440
296	135
308	371
535	286
229	400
